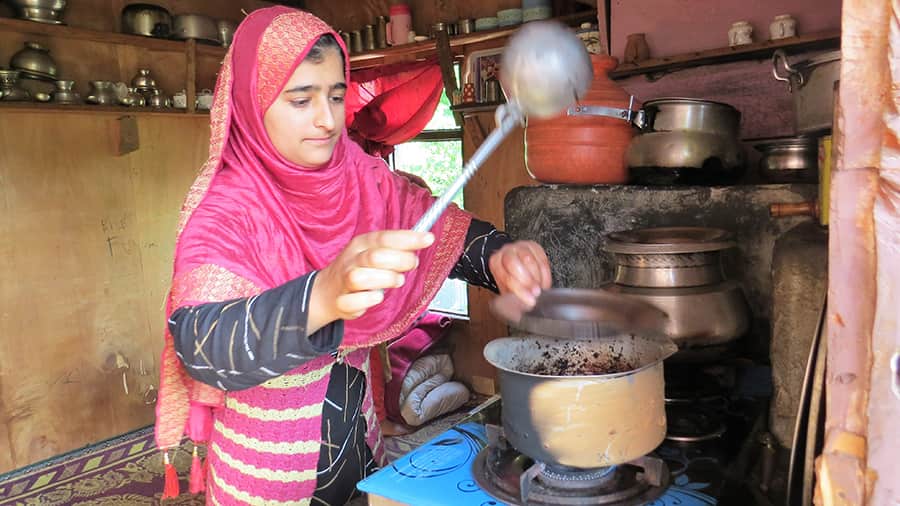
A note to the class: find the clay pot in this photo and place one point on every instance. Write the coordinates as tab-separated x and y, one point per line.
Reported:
584	149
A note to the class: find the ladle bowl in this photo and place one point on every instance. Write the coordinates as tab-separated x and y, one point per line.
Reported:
545	68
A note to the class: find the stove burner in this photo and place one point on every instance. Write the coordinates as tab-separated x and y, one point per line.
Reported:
574	478
516	479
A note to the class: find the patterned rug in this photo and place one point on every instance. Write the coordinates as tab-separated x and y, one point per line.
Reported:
124	471
128	471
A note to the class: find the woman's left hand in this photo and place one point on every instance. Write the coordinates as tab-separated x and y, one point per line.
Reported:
521	267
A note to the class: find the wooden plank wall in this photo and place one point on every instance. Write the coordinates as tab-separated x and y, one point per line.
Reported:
484	196
85	263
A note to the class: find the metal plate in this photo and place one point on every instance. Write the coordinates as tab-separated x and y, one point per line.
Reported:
574	312
669	240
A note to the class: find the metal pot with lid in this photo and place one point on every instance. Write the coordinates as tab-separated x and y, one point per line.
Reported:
679	270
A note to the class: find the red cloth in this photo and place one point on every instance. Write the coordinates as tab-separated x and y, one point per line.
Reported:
253	214
391	104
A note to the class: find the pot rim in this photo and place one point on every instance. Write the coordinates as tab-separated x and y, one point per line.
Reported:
773	143
689	101
667	350
697	240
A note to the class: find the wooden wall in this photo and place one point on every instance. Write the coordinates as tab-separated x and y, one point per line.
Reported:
484	196
85	263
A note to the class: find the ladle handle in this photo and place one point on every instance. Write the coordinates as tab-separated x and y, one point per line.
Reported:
508	117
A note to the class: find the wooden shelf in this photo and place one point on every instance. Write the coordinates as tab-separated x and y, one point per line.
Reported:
428	48
50	108
822	40
475	107
70	32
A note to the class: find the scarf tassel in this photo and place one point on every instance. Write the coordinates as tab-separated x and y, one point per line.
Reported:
171	489
198	474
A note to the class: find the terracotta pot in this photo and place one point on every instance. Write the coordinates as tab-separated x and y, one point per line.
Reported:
586	149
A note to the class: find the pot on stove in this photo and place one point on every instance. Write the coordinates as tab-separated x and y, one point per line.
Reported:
679	270
582	402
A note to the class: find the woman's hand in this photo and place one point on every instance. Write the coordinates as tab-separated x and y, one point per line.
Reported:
522	268
355	280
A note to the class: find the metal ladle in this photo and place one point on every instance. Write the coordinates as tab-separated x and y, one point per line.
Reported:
544	70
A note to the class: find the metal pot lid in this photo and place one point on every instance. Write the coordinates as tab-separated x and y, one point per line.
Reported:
686	100
669	240
575	312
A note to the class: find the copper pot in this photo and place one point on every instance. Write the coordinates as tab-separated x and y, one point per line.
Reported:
578	148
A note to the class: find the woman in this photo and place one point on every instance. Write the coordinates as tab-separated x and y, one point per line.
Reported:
294	257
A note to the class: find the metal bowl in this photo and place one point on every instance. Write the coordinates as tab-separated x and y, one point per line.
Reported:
35	62
195	26
789	160
43	11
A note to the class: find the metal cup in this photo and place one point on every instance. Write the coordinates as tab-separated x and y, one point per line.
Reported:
369	37
381	32
466	26
356	42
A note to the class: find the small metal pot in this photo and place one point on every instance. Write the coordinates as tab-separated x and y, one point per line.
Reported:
42	11
146	19
586	420
811	83
789	160
35	62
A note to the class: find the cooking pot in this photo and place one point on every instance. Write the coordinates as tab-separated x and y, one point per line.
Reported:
686	140
146	19
195	26
34	62
789	160
582	402
678	269
42	11
811	83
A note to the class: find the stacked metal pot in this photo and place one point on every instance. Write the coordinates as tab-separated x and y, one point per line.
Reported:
679	270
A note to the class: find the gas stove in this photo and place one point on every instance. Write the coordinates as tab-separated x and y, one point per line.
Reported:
472	464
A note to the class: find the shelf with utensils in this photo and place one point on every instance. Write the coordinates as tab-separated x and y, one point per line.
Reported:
85	55
756	50
428	48
51	108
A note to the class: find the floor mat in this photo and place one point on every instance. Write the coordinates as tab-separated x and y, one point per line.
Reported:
126	470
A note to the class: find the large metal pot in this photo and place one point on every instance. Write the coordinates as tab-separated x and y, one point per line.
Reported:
811	82
678	269
686	140
146	19
584	402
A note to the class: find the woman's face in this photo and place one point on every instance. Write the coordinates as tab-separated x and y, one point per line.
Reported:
306	119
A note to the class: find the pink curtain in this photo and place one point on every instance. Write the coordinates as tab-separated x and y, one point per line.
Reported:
390	104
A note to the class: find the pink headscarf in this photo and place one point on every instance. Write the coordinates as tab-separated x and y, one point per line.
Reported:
253	220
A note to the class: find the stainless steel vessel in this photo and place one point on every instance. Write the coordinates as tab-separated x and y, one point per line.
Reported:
686	140
679	270
789	160
582	402
811	82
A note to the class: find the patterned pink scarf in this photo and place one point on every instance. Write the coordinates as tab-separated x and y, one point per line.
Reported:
252	220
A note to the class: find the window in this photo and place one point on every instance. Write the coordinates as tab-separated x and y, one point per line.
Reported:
435	155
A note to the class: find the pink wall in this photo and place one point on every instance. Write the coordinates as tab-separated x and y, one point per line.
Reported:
680	26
